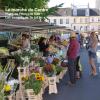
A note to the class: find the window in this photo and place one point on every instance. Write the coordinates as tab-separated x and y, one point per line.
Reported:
81	28
86	20
98	19
80	20
55	21
86	28
61	21
99	27
92	19
49	20
67	21
74	27
74	20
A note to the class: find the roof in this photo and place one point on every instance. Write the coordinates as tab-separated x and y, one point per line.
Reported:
25	25
80	12
63	12
94	12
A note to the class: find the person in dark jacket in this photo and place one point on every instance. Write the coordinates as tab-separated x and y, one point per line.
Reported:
72	55
43	46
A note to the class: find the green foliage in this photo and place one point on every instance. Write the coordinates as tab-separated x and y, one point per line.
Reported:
23	4
20	58
1	68
36	9
49	70
58	70
50	11
34	84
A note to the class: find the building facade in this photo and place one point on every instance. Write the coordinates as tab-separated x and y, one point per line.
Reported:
80	20
97	5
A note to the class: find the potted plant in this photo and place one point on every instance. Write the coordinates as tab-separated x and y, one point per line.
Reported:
58	69
55	61
34	82
49	70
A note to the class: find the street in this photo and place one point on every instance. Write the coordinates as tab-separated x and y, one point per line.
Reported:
87	88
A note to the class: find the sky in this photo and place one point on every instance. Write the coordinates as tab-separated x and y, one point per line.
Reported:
67	3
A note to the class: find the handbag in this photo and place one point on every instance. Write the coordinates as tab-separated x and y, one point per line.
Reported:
64	63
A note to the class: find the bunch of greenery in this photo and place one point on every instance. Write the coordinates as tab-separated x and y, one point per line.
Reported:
24	58
58	70
49	70
33	83
3	73
36	9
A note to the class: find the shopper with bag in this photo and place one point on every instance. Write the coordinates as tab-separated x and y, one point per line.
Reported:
72	55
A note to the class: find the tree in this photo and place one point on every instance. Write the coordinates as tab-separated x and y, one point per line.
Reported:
33	8
50	11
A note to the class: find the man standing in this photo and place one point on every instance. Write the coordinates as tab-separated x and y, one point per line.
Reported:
72	55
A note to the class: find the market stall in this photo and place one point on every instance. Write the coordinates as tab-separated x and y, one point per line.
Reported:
34	72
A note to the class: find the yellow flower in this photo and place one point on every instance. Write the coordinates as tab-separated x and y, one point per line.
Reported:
42	78
24	78
65	43
7	88
37	75
38	78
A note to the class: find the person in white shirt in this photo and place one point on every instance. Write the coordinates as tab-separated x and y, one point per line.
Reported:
25	42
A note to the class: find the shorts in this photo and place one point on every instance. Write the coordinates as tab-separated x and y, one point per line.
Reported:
92	54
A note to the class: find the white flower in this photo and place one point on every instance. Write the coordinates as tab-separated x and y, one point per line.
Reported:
32	51
22	58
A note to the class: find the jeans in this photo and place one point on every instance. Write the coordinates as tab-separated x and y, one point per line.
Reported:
72	70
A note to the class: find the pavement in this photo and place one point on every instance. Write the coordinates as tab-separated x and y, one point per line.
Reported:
87	88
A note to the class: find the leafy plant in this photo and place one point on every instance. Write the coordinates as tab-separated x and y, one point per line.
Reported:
24	58
58	70
55	61
49	70
33	83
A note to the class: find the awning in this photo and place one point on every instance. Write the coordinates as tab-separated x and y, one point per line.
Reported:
26	25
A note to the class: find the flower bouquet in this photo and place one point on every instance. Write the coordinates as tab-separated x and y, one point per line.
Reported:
40	61
34	82
24	58
34	69
55	61
49	70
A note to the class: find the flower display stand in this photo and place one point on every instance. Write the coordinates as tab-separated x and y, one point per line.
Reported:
45	83
40	70
20	94
61	75
22	72
11	97
32	96
52	85
57	79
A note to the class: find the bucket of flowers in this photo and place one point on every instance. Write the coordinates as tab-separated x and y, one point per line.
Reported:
34	82
55	61
49	70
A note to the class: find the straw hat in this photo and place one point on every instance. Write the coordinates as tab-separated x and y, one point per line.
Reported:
73	35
